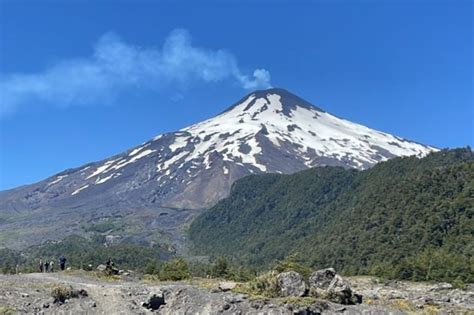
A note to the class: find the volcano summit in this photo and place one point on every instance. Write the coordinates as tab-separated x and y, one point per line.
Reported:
267	131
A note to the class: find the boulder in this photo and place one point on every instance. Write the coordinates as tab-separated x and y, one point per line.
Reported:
321	279
226	286
442	286
327	284
154	301
291	283
108	269
316	308
235	298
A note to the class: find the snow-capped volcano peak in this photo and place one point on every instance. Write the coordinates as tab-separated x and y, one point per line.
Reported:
293	125
288	100
266	131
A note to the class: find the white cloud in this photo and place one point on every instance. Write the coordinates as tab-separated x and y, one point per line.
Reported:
116	65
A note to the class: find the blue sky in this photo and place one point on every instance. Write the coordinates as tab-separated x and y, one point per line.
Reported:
83	80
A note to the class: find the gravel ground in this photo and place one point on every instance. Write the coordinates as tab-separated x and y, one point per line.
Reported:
31	294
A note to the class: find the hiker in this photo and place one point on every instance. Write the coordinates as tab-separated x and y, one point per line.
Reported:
51	266
62	262
46	266
41	266
17	269
109	262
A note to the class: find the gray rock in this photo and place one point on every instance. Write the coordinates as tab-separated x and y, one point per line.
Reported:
107	269
327	284
257	304
396	295
291	284
321	279
226	286
442	286
235	298
313	309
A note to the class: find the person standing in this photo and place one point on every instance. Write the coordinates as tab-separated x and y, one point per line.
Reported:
51	266
41	266
62	262
46	266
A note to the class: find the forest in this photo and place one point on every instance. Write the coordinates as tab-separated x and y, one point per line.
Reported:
405	218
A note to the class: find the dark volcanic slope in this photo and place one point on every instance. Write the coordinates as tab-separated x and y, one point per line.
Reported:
267	131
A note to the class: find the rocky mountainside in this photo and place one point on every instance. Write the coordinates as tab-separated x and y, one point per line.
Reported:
160	185
270	131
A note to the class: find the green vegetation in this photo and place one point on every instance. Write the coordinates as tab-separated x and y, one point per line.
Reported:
405	218
180	269
265	285
6	309
294	262
9	259
174	270
100	227
81	252
61	292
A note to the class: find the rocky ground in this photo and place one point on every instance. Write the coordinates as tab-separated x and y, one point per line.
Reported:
31	293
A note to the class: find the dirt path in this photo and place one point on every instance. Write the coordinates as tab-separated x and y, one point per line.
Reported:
31	293
108	296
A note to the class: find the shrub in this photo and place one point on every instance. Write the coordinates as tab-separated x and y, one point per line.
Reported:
220	269
293	263
60	293
152	267
175	270
264	285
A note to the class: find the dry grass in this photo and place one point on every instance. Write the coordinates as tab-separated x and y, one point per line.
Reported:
263	286
403	305
205	283
151	279
105	277
431	310
369	302
299	301
60	293
7	309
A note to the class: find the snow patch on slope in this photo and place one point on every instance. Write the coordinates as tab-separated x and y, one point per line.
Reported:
57	180
75	192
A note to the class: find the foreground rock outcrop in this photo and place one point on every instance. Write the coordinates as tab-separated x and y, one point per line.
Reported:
31	294
323	284
291	283
327	284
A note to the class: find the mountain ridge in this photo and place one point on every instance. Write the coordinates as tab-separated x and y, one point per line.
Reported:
267	131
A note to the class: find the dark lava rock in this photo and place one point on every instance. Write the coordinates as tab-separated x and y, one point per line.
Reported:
154	302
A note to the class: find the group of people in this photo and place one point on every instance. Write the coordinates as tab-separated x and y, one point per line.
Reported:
48	266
